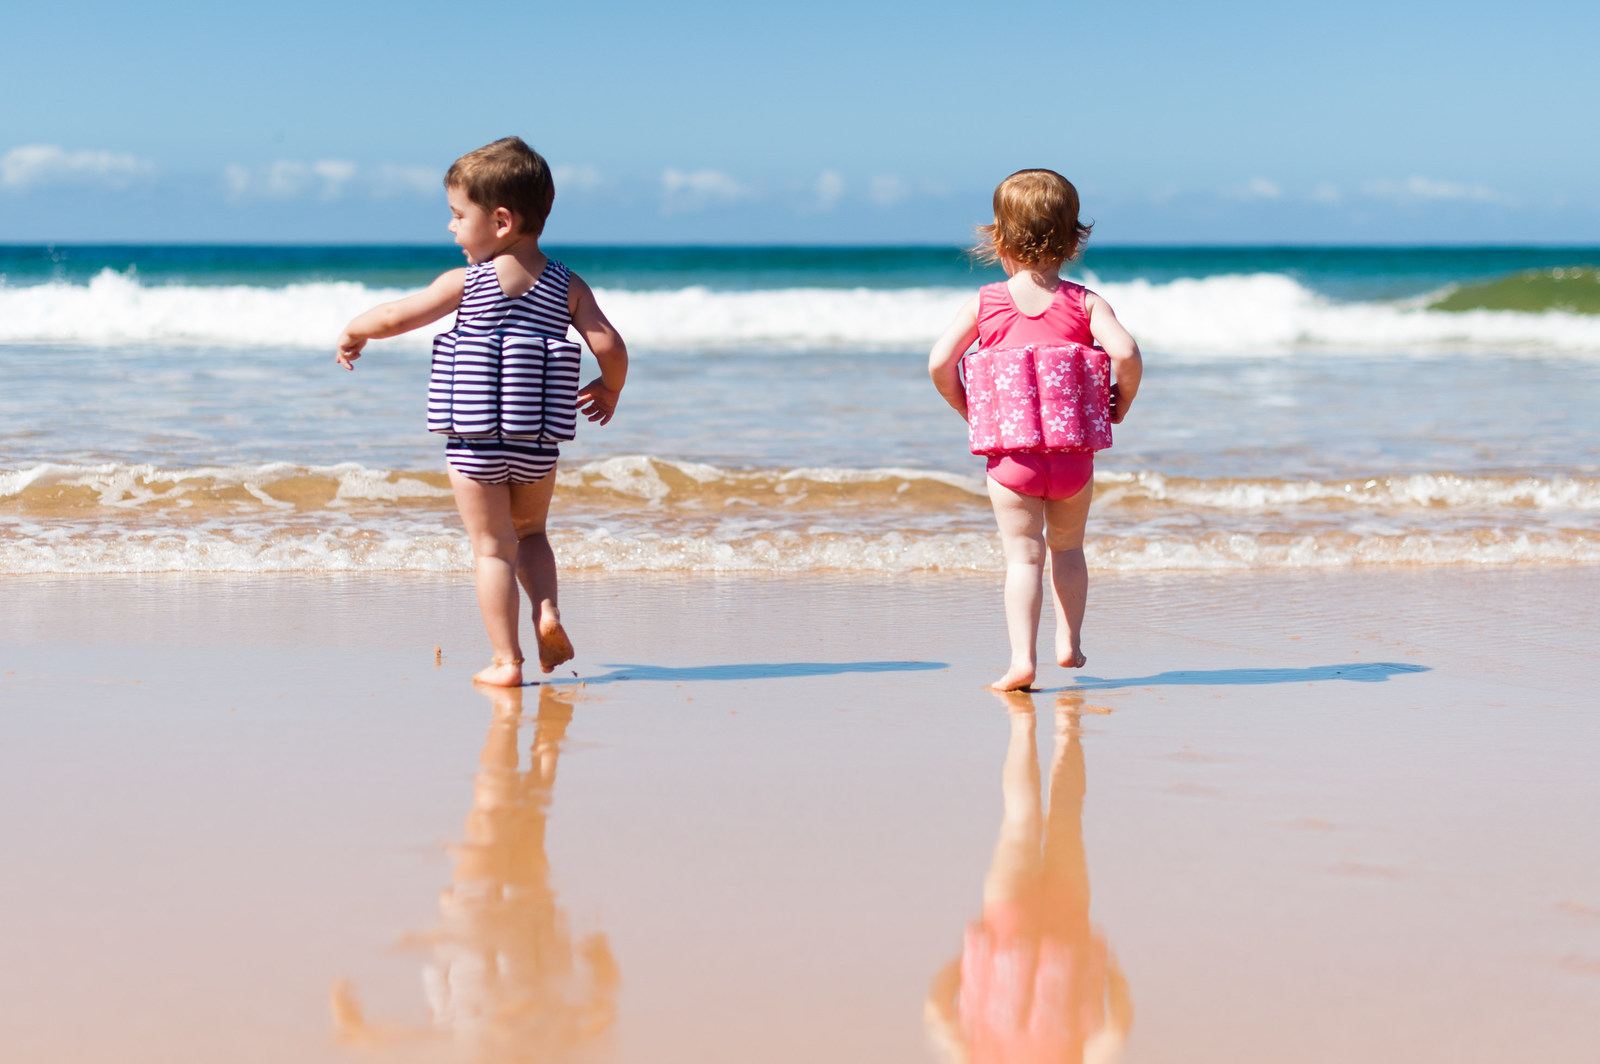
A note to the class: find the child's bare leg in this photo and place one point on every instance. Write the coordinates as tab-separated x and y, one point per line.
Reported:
1021	522
1069	573
486	514
536	568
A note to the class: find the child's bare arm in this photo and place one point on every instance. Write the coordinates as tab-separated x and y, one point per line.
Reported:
1127	367
400	316
599	396
944	362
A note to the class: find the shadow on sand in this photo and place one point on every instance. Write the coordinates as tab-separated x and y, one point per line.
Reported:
754	671
1358	672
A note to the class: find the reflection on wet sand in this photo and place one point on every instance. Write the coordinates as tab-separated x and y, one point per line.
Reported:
1034	982
506	981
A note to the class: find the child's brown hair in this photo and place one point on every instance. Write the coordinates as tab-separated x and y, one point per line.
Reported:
506	174
1035	221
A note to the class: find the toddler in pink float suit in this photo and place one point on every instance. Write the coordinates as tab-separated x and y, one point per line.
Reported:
1037	329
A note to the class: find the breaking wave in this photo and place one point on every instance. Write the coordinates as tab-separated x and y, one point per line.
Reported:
1213	316
646	513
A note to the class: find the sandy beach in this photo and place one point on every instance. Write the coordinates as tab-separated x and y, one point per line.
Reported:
1326	816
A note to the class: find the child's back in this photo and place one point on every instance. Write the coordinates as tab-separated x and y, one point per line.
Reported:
1063	320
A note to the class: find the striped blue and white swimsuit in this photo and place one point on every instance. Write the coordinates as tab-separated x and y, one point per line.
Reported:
504	385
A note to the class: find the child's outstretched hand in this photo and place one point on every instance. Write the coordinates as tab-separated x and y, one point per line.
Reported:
598	402
349	350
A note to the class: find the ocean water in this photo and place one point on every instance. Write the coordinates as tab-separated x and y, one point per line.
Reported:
178	408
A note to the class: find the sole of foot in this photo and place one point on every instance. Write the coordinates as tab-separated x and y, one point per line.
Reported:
1075	659
554	646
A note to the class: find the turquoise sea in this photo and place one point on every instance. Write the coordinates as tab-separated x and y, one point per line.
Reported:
177	407
1343	273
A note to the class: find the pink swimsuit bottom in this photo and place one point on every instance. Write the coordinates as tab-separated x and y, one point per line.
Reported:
1043	476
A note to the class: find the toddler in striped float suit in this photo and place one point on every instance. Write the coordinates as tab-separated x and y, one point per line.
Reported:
504	385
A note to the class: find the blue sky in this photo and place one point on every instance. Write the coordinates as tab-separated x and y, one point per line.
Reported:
825	122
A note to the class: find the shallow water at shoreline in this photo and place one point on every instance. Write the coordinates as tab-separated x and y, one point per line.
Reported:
1319	416
729	460
638	513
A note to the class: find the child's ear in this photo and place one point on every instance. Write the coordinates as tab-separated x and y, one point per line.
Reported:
505	221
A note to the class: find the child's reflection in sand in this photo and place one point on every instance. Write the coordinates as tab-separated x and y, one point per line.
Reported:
506	980
1034	981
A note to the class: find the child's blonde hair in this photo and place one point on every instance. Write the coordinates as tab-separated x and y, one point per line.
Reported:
1035	221
506	174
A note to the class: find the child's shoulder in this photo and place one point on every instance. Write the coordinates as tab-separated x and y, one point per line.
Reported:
455	279
578	290
988	295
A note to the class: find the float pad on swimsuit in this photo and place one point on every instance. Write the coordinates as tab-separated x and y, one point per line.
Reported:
1042	399
507	386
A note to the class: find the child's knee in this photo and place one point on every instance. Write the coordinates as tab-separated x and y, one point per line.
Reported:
1024	550
1062	540
530	531
490	545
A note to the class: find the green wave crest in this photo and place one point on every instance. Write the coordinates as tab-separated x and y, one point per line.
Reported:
1575	289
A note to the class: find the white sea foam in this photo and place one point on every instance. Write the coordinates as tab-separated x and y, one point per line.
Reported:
440	548
1429	491
123	485
1214	316
1268	312
115	309
788	317
645	513
619	483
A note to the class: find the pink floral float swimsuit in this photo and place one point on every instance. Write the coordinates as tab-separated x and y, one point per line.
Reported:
1002	325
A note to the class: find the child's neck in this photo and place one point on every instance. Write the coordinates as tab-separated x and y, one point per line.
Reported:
524	247
1046	277
519	264
1033	287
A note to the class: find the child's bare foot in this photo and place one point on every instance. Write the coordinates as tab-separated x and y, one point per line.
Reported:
501	674
1017	678
1016	702
554	646
1070	656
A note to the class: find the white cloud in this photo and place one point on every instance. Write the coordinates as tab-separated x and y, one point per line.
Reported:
829	189
690	190
237	178
577	178
886	190
1257	188
39	164
285	179
289	179
1417	189
1326	194
334	174
391	180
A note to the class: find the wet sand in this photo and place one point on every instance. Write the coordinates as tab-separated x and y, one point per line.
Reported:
1280	816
